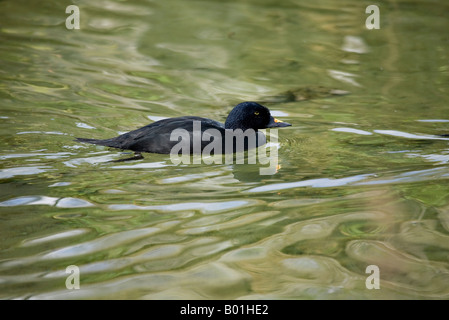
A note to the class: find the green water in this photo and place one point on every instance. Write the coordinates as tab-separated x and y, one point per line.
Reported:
362	177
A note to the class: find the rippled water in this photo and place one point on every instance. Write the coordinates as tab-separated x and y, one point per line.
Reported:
362	177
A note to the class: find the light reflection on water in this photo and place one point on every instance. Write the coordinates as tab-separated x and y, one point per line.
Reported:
362	177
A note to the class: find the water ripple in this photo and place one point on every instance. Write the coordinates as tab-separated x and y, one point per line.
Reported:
314	183
22	171
351	130
401	134
45	200
99	244
204	207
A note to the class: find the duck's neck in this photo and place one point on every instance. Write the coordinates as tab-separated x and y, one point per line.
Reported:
243	129
237	125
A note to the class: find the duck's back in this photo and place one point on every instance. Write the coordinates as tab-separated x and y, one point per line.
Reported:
155	137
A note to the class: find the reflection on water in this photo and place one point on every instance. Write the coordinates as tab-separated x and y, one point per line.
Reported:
361	177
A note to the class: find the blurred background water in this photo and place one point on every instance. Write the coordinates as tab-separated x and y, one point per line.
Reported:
362	177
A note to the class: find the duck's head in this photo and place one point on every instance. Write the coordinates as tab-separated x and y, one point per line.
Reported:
251	115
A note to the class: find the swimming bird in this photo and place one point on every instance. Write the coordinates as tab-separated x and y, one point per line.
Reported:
157	137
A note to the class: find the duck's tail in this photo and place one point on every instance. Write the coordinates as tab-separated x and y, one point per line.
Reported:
106	142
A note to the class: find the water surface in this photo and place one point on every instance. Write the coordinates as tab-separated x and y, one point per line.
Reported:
362	177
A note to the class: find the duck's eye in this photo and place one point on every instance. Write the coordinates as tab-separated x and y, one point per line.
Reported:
256	113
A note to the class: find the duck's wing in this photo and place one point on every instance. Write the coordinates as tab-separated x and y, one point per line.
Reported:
162	136
155	137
